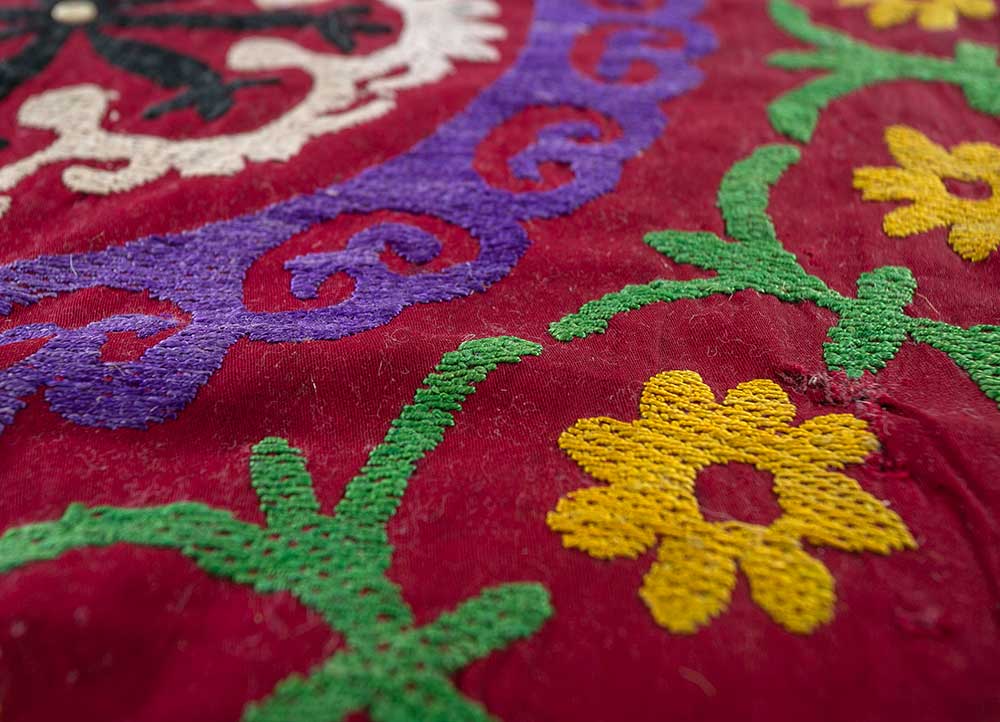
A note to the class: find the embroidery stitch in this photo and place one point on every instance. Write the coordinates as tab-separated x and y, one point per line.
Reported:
871	327
974	224
335	565
930	14
202	271
651	466
852	64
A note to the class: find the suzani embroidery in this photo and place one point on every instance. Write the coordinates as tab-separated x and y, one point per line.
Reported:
651	468
202	271
335	565
924	167
930	14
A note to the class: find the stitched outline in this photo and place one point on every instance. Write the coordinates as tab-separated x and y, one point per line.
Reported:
335	565
872	326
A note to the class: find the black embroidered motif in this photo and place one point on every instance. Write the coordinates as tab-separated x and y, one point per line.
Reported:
52	23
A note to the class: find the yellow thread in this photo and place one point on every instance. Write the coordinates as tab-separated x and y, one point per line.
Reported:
651	466
975	224
930	14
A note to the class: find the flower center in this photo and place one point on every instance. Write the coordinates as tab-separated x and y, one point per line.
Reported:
976	190
74	12
737	492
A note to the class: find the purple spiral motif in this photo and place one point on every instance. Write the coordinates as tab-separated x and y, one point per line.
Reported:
202	271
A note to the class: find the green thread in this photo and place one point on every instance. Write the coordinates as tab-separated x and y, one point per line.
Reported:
871	326
853	64
335	564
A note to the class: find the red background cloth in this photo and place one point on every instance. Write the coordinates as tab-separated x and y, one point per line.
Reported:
145	636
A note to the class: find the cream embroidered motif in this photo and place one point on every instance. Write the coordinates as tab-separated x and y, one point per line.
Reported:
346	91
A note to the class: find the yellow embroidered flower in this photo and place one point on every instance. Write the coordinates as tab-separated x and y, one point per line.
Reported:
931	14
975	224
651	466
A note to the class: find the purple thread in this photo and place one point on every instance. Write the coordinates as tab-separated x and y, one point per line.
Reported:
202	271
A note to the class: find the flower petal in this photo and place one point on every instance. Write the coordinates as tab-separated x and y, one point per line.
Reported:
975	241
795	589
915	151
691	582
831	440
895	184
831	509
632	453
914	218
605	448
938	16
761	403
611	522
977	9
677	396
980	160
886	13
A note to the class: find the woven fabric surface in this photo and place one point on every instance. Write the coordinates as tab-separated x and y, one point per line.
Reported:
520	360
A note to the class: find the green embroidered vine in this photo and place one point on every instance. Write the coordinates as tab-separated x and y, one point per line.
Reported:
872	325
335	565
853	64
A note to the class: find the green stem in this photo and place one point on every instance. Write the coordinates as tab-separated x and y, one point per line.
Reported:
373	496
593	316
757	261
854	64
975	349
193	529
871	327
335	565
406	678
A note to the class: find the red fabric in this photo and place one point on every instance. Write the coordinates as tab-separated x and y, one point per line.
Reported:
145	636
